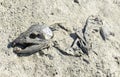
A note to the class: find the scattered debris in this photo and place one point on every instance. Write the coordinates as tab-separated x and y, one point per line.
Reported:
117	60
76	1
85	60
62	27
103	34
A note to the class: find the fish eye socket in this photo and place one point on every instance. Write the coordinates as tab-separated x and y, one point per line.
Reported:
41	36
33	36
